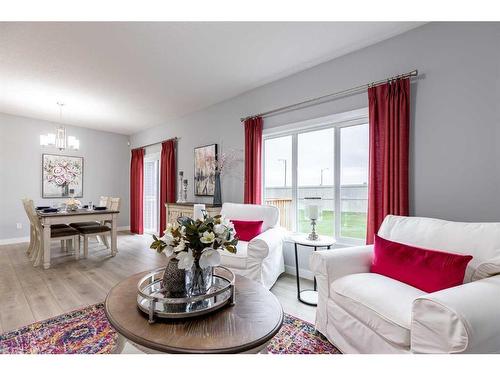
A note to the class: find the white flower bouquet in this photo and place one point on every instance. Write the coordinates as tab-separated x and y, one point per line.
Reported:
195	244
73	204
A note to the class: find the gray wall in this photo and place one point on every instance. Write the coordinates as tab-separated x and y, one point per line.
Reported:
106	169
455	173
455	115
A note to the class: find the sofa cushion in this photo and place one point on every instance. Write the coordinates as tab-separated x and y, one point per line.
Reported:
382	304
428	270
238	260
481	240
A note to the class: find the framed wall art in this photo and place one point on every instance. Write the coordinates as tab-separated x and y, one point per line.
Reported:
62	176
204	170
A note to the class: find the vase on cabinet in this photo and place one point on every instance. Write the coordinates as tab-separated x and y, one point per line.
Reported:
217	190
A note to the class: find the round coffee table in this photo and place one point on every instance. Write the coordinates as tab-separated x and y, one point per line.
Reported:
247	326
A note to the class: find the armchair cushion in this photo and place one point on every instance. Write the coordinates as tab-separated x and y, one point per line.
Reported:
237	211
463	319
428	270
246	230
481	240
380	303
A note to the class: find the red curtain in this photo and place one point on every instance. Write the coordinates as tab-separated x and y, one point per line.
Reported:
167	179
136	191
389	115
253	160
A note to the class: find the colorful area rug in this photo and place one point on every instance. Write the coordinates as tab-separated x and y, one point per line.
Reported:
87	331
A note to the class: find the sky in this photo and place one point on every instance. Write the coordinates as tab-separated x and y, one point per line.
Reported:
315	158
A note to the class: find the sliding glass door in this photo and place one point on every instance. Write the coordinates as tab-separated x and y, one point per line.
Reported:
151	193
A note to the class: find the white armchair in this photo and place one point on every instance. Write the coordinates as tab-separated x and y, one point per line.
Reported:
260	259
363	312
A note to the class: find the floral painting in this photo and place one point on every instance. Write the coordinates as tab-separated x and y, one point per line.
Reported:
204	170
62	176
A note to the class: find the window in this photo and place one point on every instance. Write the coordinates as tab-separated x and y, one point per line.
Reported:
315	178
151	194
325	158
353	181
278	177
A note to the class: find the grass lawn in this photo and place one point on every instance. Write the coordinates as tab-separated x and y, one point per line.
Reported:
353	224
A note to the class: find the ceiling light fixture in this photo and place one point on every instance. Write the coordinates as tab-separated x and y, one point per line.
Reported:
59	139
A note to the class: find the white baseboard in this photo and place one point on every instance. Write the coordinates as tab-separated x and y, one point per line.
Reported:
306	274
8	241
124	228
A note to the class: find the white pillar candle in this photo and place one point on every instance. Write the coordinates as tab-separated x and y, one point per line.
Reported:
313	212
198	211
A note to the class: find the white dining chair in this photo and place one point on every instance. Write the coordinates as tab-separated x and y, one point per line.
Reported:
60	232
113	205
110	203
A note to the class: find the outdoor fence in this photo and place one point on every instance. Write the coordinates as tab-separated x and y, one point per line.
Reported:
353	199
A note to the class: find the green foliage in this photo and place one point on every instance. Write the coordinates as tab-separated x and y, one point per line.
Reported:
157	244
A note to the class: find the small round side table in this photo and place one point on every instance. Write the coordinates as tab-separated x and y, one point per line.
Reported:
308	296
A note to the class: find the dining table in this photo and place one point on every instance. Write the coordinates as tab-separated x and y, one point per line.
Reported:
80	215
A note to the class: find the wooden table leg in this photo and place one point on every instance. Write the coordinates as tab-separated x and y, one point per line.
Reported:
46	246
114	250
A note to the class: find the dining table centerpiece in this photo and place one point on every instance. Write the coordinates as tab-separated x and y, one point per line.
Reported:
194	245
73	204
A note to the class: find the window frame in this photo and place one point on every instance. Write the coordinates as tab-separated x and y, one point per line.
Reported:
337	122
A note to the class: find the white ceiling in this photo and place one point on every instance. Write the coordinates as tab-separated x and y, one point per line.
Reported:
126	77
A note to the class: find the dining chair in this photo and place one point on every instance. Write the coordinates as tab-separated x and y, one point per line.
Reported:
32	230
26	204
57	232
111	204
104	201
93	230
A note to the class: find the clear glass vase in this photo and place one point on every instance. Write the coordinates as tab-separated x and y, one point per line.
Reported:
198	280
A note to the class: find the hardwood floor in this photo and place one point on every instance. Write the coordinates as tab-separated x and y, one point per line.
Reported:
29	294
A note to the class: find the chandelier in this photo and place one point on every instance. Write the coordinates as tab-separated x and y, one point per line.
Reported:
59	138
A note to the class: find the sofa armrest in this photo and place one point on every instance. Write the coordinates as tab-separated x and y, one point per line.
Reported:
329	265
269	240
463	319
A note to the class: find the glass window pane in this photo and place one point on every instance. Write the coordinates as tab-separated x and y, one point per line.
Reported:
278	177
151	184
315	178
353	181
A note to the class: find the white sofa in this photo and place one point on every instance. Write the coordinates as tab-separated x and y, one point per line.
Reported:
261	259
363	312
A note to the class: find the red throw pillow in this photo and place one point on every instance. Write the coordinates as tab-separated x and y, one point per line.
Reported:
247	230
427	270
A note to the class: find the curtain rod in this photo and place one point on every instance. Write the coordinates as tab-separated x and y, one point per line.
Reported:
332	96
157	143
